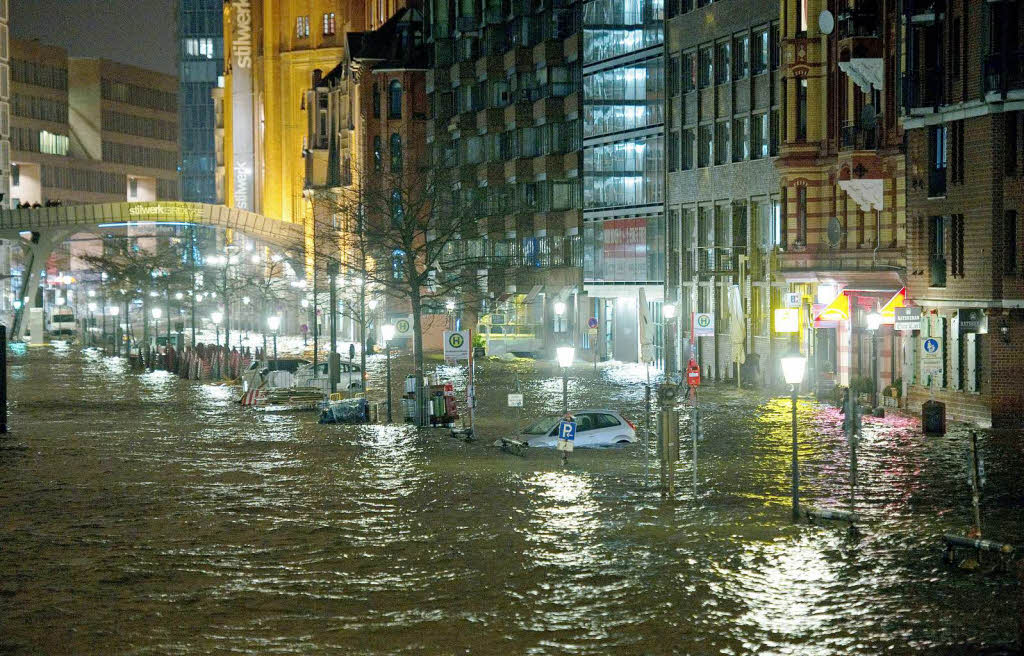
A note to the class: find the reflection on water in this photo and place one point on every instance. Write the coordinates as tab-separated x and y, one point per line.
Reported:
145	514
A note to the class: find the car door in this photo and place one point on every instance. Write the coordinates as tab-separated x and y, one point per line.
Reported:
586	433
609	428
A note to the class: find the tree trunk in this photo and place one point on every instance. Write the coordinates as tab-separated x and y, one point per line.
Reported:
417	340
362	333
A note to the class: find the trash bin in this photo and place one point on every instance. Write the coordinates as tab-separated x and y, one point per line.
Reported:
933	418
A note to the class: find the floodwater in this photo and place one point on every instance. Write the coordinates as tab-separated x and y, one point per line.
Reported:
141	514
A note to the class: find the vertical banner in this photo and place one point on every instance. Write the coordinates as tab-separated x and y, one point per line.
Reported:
242	105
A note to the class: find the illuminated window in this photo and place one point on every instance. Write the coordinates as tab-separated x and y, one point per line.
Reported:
53	144
301	27
328	24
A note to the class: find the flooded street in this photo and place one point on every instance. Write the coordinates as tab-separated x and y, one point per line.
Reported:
144	514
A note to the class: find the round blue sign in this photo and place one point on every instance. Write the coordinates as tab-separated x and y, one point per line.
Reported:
592	322
931	345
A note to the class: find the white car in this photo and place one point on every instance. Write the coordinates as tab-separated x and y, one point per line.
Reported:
594	427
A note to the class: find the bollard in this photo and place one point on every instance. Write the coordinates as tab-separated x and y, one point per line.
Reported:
1004	551
668	438
3	379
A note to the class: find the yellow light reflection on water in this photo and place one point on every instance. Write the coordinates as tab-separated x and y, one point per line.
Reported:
565	520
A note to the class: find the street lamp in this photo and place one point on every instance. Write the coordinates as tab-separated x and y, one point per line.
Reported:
387	332
793	367
274	324
113	311
874	321
565	355
216	317
559	308
92	310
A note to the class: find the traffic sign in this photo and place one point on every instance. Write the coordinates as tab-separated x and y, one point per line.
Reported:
907	319
704	324
515	400
592	323
566	435
931	357
456	344
792	299
403	327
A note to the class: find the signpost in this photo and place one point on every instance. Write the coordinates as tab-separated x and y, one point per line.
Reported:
907	319
704	324
403	327
792	299
457	347
566	438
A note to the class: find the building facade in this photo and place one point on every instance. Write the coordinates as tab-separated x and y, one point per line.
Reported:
506	114
722	199
842	235
962	111
623	169
200	71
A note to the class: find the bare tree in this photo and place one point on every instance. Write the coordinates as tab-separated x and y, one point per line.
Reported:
404	233
268	286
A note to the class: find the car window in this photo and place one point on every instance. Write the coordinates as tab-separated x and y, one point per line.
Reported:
542	426
604	420
585	422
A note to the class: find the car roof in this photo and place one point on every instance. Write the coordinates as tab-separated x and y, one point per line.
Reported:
605	410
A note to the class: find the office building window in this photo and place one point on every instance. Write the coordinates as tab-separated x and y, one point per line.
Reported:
741	57
802	17
133	187
328	24
741	139
937	160
704	134
760	136
395	99
15	175
1009	241
722	142
396	153
761	51
801	215
937	251
687	149
688	66
706	66
723	59
53	144
673	151
801	109
301	27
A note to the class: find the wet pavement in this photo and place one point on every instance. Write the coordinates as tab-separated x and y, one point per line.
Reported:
143	514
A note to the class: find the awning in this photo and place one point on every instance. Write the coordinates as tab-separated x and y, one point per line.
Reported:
862	280
837	310
533	293
888	311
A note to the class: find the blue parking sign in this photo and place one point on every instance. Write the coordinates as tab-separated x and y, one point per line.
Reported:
566	435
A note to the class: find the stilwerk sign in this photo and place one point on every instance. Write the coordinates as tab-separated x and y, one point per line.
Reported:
241	105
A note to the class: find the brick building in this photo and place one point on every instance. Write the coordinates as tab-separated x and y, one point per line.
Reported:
841	241
962	111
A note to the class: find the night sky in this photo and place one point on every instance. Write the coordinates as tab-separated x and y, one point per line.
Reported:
137	32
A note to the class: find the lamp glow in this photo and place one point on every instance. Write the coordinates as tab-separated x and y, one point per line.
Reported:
304	302
179	296
874	321
92	293
245	300
373	304
793	367
92	307
450	305
216	318
59	301
565	356
669	310
113	310
274	323
559	308
387	331
157	312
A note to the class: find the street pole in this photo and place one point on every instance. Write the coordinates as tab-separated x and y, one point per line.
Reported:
387	349
694	432
332	367
874	368
3	379
192	261
275	350
796	469
565	392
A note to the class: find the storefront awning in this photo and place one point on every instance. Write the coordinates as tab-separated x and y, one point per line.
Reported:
862	280
533	293
837	310
888	311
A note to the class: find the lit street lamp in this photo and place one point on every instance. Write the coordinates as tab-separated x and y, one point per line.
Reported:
793	368
387	332
874	321
565	354
559	311
216	317
274	324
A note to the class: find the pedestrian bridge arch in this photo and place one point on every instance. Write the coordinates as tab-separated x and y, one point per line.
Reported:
74	217
52	225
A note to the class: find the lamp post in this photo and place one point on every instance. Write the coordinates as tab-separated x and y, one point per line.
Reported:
565	355
387	332
156	312
113	311
559	312
305	306
793	367
216	317
668	312
874	321
88	325
274	324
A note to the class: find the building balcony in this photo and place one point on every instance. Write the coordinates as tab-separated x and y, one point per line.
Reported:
465	122
548	52
1004	72
463	70
491	172
519	59
549	167
490	121
549	108
855	137
520	113
490	67
922	90
519	169
717	260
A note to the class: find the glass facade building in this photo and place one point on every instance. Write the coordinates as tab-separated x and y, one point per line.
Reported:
623	165
200	70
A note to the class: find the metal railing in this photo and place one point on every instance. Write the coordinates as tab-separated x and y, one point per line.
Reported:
922	89
856	137
1004	72
854	23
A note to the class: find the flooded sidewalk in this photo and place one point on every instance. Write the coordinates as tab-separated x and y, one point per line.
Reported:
146	514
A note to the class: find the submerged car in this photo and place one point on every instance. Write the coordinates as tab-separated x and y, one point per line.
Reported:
594	427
